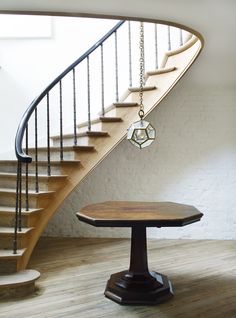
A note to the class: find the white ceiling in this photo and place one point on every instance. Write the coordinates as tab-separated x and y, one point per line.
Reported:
214	19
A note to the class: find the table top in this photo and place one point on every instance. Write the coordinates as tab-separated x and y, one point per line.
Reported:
130	213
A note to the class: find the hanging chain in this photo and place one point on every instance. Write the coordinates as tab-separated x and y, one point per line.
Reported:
141	74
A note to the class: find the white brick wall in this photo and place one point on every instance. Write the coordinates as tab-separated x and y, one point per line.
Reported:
193	161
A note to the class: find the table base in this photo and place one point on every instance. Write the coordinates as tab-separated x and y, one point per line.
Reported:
127	288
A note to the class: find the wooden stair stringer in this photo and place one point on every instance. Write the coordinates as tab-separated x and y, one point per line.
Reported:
182	60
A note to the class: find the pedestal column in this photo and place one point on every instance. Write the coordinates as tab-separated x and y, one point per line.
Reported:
137	285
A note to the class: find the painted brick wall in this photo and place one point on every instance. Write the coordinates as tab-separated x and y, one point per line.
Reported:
193	161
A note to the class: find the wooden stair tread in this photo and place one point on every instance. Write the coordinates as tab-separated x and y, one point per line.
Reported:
65	148
145	89
95	133
8	161
125	104
84	134
33	193
8	210
161	71
59	162
10	230
42	176
8	254
105	119
43	162
19	278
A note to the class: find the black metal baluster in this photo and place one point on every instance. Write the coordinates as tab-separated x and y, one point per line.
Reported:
48	138
169	38
156	46
102	80
116	68
26	170
180	37
89	106
130	54
20	199
74	108
36	150
17	208
61	123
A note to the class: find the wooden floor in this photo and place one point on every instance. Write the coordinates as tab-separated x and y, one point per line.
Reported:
75	271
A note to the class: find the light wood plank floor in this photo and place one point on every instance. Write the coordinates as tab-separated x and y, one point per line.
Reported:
75	271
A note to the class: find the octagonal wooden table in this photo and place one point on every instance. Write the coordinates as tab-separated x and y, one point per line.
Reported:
138	285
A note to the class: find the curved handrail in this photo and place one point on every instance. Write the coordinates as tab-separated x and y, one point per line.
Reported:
20	154
23	188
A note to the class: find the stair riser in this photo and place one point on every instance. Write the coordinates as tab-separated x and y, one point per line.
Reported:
44	184
112	112
27	220
42	169
6	241
82	141
9	220
8	266
10	183
16	292
34	202
54	155
8	167
100	126
95	127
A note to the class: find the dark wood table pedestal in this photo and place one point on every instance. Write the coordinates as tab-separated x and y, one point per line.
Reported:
138	286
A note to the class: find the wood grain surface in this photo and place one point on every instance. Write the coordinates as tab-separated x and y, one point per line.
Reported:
75	272
128	213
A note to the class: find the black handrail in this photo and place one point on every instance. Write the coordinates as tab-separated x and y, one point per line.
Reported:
23	128
20	154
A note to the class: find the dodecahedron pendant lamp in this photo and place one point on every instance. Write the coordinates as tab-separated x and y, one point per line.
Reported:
141	133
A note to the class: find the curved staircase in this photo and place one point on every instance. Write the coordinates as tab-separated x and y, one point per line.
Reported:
60	165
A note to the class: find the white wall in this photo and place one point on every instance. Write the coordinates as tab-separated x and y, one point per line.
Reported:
193	161
29	65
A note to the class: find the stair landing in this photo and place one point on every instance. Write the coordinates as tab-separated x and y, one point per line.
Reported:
18	284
